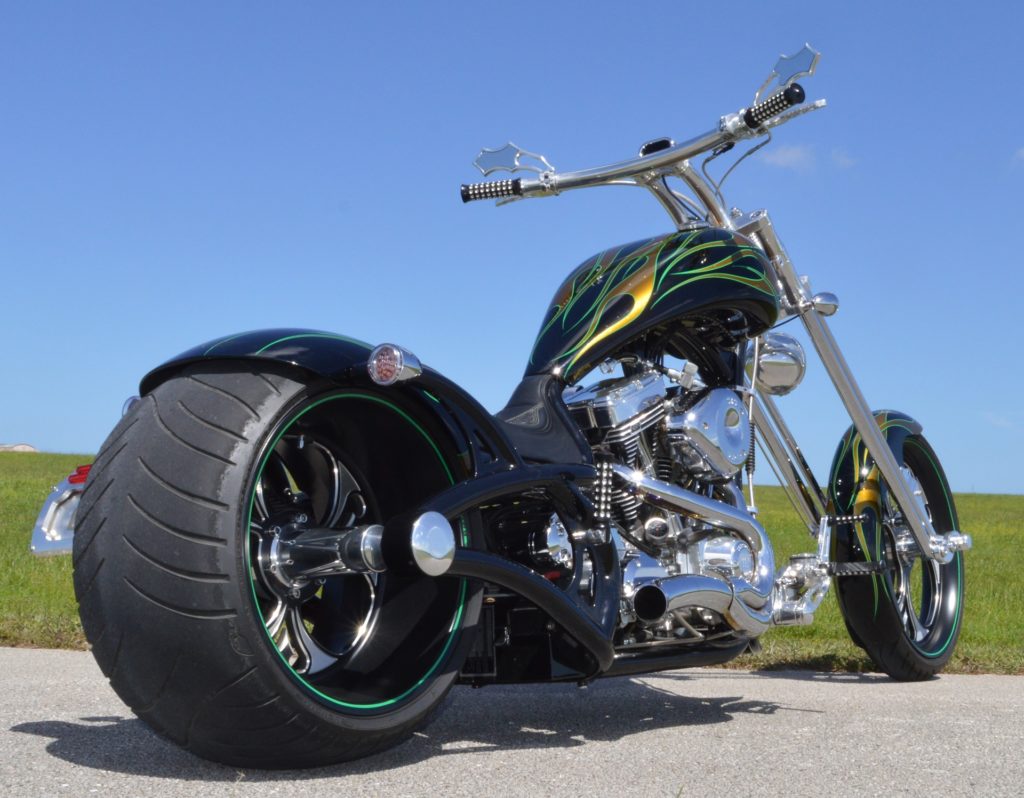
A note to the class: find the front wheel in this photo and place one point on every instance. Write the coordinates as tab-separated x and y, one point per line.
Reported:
205	625
907	614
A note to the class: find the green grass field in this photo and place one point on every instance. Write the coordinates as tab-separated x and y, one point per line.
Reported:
37	606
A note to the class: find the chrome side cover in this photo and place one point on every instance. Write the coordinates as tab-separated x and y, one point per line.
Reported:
551	546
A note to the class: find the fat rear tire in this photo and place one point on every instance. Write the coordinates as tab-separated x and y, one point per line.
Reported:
164	578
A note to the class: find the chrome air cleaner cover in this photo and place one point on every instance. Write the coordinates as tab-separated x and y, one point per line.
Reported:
711	438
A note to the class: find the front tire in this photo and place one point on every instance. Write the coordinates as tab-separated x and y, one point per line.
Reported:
907	616
178	594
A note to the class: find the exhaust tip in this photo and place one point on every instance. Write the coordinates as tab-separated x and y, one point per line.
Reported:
650	603
433	543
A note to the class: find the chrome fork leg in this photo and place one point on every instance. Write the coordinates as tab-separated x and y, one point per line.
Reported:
864	420
937	547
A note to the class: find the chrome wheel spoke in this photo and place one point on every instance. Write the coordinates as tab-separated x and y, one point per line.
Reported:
275	620
310	657
933	594
917	631
343	487
261	503
904	599
911	619
917	620
305	483
903	603
335	499
906	592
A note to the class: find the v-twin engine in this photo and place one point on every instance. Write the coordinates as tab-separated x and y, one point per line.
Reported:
695	563
706	433
614	413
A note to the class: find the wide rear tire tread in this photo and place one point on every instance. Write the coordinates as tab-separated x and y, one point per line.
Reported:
163	587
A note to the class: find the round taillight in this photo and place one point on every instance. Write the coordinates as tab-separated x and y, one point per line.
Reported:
389	364
385	364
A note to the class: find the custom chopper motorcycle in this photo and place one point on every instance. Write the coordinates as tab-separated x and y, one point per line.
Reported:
293	543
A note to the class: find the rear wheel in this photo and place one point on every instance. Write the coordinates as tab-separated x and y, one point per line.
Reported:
202	619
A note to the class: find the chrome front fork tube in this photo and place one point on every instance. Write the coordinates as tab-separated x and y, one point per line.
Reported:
941	548
796	477
933	545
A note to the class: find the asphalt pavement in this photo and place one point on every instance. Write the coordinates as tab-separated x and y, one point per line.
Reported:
63	732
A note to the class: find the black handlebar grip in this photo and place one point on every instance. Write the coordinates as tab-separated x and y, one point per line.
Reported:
494	189
757	115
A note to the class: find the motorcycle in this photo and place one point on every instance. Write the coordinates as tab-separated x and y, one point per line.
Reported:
294	543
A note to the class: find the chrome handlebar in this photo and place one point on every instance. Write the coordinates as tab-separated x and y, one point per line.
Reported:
551	183
745	123
649	170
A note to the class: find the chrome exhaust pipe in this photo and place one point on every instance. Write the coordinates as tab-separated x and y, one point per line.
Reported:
714	513
659	597
746	605
719	515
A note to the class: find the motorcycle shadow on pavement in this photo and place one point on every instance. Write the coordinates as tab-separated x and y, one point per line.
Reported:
810	674
500	718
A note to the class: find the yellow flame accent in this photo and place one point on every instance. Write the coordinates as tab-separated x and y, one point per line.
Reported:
868	497
640	287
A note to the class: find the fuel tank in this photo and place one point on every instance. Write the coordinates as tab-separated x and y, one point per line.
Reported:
691	278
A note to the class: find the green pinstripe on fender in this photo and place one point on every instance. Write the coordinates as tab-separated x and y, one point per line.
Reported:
456	621
294	337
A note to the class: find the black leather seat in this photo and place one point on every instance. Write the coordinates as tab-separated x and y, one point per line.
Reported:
540	426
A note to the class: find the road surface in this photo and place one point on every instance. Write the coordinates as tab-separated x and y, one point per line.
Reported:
64	732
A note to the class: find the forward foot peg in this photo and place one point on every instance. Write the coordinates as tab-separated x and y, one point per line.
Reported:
855	568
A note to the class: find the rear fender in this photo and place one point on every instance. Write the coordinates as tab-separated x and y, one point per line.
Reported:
317	352
481	445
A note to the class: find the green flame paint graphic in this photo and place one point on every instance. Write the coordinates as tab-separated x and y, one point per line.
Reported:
613	289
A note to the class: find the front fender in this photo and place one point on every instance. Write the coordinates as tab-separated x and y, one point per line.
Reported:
482	445
852	462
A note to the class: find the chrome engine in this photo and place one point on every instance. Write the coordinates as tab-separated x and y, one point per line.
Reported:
696	565
615	412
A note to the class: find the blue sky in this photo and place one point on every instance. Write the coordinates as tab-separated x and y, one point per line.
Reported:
173	172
